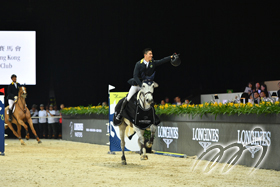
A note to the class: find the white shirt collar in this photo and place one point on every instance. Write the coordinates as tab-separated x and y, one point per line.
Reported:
146	63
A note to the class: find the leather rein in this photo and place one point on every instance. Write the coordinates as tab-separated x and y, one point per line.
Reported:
24	105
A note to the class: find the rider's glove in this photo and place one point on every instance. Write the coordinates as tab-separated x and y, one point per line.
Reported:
15	98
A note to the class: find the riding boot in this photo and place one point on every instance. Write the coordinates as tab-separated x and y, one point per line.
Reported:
122	107
10	114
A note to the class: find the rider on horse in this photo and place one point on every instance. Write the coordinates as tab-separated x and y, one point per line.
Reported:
13	90
146	67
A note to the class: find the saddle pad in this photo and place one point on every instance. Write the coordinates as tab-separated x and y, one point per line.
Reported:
130	111
13	109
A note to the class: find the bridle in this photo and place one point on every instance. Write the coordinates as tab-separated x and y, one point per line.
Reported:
24	103
144	95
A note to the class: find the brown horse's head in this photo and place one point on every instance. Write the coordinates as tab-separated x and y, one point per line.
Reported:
22	92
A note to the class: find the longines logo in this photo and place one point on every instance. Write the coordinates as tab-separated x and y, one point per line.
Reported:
247	140
205	136
168	134
253	140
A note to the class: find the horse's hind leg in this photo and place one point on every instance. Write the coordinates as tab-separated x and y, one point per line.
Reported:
33	130
15	133
122	133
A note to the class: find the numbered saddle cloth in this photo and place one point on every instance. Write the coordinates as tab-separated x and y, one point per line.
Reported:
140	117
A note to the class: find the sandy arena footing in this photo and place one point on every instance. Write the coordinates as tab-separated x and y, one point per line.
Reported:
65	163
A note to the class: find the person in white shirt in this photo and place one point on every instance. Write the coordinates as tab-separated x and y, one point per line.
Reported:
43	121
34	113
51	122
57	114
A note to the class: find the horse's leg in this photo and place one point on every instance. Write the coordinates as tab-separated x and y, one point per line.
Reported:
122	128
14	132
153	129
33	130
27	136
141	139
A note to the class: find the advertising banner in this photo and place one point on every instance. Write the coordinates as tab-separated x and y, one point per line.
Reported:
115	141
2	128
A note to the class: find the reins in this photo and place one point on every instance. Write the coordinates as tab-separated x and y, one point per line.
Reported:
24	110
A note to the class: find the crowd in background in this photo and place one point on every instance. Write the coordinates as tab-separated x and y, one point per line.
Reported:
254	93
47	121
258	92
176	101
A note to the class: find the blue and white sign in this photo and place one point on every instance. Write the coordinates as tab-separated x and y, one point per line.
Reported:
2	128
115	141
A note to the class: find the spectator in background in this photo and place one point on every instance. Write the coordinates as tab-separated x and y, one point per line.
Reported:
34	113
60	121
258	87
51	122
57	114
177	100
264	89
104	103
166	100
263	96
187	101
43	122
278	92
256	98
162	102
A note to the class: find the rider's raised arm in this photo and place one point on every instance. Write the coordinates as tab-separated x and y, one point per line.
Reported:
136	74
162	61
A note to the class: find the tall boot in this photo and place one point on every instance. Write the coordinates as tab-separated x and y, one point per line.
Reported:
10	114
122	108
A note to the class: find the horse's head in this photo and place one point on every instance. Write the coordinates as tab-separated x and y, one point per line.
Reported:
148	89
22	92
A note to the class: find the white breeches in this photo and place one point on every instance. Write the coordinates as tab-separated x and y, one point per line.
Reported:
11	102
132	91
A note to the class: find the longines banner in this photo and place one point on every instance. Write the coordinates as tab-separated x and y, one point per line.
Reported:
85	129
130	145
254	145
2	128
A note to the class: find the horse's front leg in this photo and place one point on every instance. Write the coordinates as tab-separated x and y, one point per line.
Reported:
141	139
27	136
33	130
122	128
153	129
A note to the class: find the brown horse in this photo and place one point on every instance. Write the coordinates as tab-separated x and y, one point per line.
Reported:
20	116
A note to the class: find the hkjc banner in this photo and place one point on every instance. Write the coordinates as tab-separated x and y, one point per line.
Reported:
2	122
115	141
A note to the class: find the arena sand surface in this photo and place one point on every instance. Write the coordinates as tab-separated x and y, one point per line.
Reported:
65	163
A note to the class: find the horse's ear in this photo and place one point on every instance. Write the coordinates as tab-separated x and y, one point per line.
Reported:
155	85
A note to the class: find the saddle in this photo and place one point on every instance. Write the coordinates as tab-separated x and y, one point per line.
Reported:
140	117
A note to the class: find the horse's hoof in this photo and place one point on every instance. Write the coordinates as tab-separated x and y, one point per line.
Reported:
22	143
124	162
144	157
149	145
39	142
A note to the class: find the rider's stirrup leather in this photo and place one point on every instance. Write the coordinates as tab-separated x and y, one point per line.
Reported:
122	107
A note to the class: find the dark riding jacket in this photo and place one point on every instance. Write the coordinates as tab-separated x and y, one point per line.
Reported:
141	67
13	90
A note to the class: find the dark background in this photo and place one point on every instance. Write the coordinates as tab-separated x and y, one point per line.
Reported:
82	46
